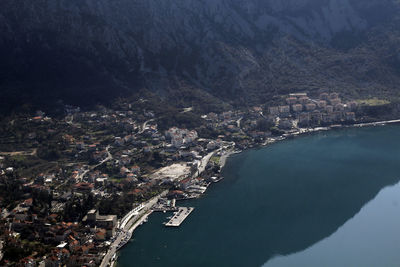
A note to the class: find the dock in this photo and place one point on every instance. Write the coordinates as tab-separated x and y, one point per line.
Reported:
179	216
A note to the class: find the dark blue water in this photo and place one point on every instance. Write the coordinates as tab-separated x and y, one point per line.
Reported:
371	238
286	199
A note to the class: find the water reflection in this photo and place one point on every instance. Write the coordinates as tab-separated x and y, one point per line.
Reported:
275	201
371	238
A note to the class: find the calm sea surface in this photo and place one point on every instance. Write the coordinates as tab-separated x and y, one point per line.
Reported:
328	199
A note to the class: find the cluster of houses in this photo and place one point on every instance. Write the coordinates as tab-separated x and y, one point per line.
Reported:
180	137
103	225
326	109
74	245
120	156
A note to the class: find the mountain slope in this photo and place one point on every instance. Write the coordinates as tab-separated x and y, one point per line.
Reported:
236	51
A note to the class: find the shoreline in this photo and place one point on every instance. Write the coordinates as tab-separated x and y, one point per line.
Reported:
225	156
130	231
304	131
228	153
300	132
111	256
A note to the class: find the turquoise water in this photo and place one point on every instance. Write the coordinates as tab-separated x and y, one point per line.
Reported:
329	199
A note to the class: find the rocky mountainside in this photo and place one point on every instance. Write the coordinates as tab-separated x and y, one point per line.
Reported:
196	51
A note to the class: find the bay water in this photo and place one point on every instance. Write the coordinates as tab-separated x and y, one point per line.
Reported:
326	199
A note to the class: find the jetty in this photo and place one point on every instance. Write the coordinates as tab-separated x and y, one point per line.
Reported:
179	216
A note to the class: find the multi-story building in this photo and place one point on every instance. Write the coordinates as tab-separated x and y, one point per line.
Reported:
107	222
350	116
329	109
310	106
339	107
304	119
304	100
334	96
291	100
316	116
322	103
273	110
335	101
284	109
297	108
324	96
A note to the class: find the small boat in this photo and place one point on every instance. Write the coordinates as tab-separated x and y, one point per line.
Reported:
217	179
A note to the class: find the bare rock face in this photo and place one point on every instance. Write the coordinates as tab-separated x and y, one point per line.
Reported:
236	50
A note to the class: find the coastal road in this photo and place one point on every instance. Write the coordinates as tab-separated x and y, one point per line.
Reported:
225	155
132	222
376	123
204	161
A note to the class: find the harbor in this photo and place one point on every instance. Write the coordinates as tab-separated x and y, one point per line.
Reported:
257	178
179	216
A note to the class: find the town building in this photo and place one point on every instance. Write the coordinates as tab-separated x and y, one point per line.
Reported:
304	119
322	104
304	100
310	106
324	96
273	110
334	101
284	109
297	108
107	222
291	100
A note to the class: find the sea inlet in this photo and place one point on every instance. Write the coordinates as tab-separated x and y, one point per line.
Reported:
326	199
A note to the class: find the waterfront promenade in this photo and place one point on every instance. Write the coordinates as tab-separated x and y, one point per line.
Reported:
129	224
378	123
208	229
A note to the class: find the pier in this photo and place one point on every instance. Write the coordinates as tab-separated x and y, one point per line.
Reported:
128	224
179	216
